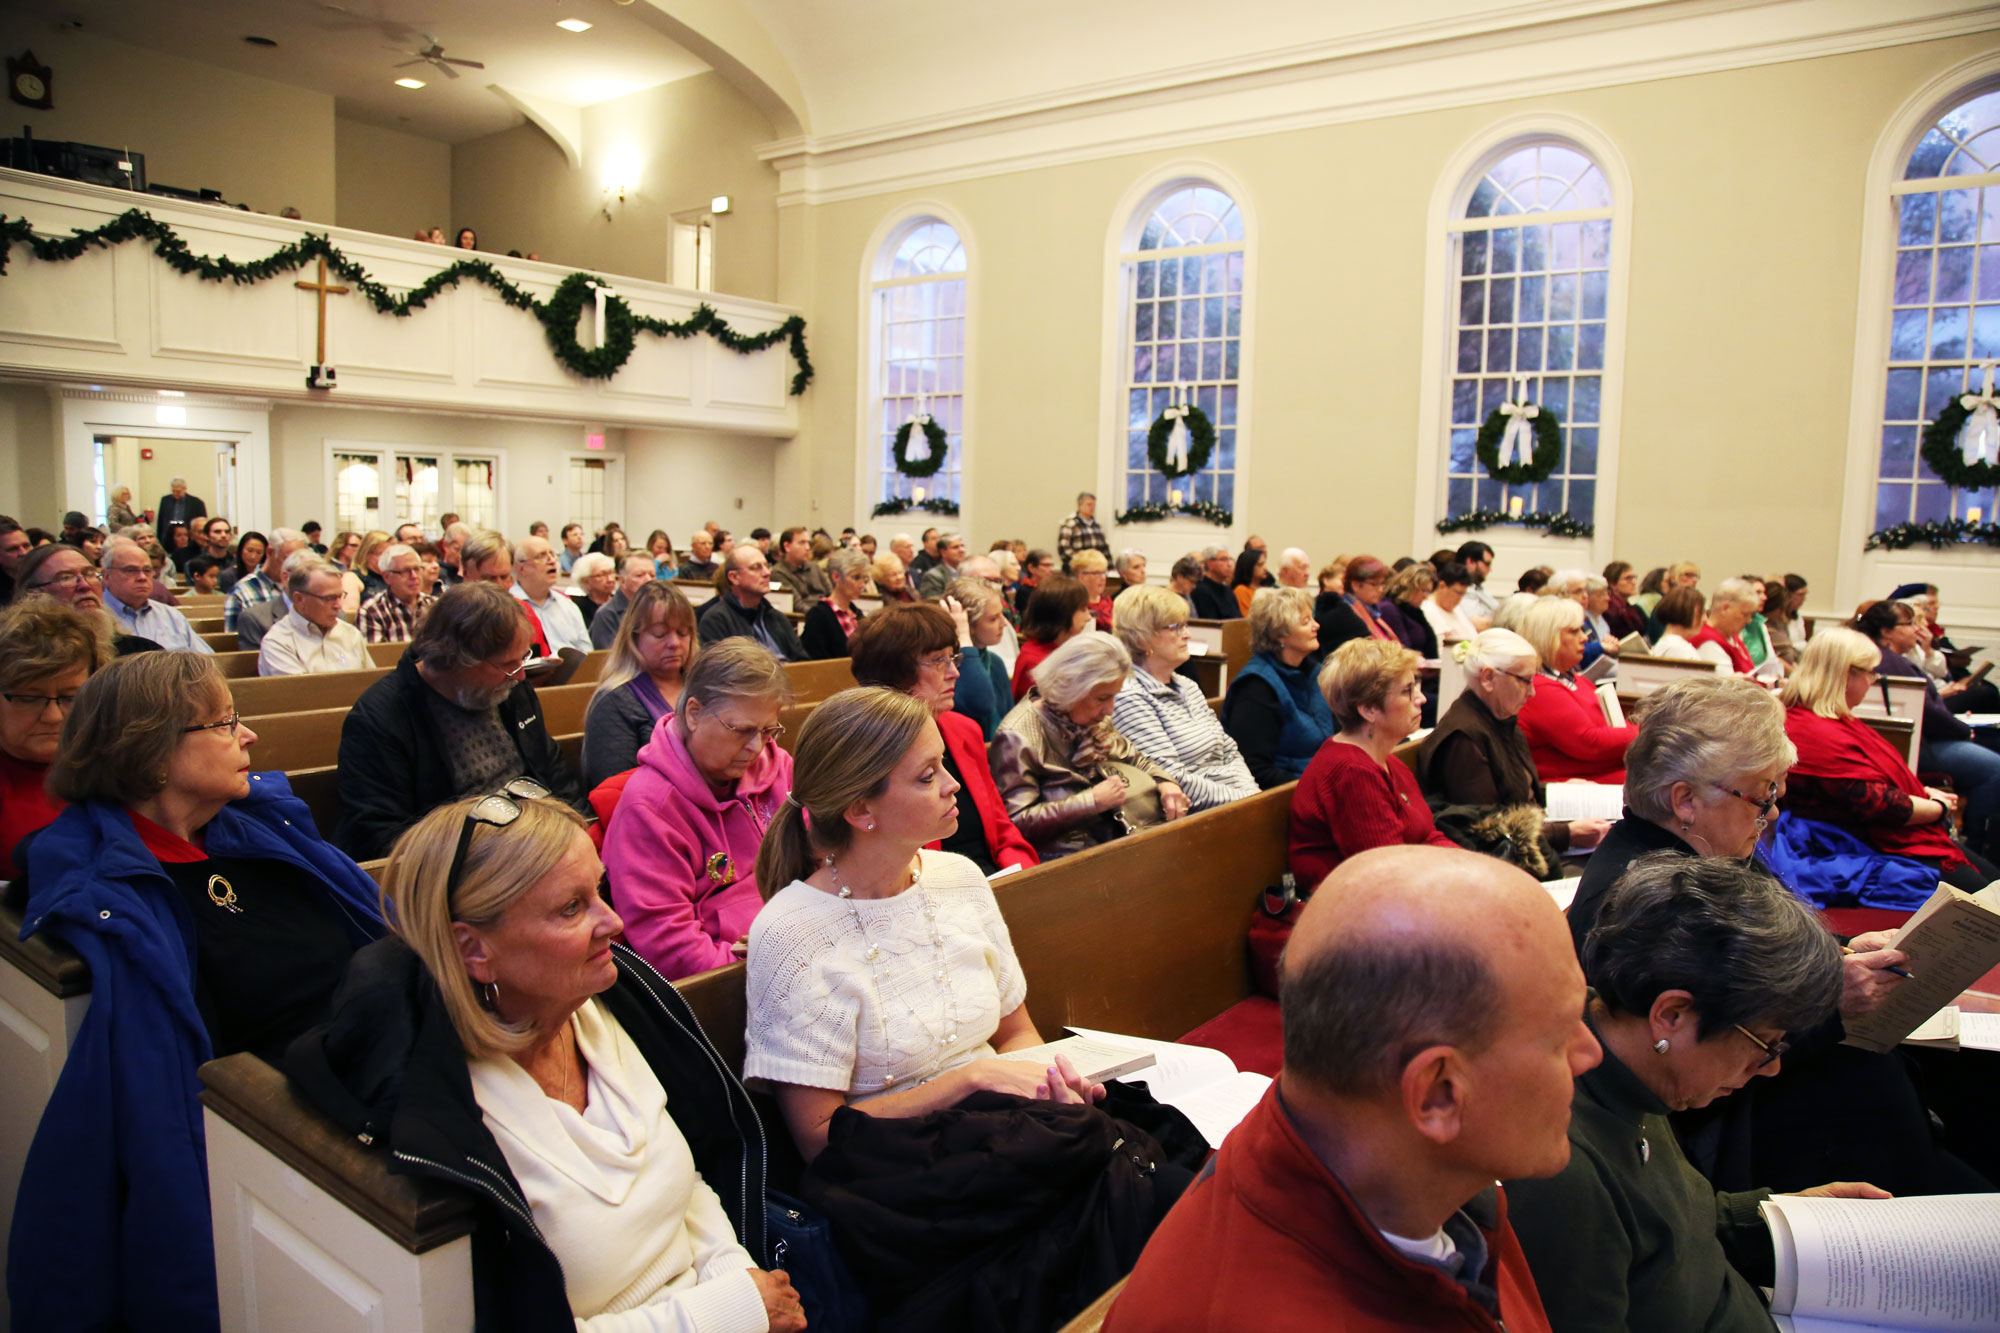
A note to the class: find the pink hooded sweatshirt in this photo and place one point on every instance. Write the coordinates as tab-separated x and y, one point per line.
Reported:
683	861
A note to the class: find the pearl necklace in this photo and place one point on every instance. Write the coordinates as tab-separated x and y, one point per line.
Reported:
873	951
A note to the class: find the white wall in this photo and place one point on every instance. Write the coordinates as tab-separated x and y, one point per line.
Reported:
30	458
679	480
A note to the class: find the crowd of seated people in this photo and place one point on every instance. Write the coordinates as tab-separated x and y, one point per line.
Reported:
1007	709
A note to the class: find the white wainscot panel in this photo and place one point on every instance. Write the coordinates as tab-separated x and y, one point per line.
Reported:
661	369
288	1255
36	1029
224	321
509	347
360	340
759	380
61	305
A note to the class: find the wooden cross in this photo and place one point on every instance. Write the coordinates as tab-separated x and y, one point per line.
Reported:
324	290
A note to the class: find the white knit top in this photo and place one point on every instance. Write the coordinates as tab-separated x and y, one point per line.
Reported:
644	1243
816	1017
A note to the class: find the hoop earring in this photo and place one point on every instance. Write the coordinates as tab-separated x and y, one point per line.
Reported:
1660	1046
489	994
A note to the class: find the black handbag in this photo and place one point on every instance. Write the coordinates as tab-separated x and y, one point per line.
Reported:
802	1244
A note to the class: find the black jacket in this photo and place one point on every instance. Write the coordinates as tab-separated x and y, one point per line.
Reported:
393	768
1214	601
821	633
389	1069
725	618
1338	622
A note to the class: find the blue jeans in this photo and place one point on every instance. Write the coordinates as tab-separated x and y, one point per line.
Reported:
1975	775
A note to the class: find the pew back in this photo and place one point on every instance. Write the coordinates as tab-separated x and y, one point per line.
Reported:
1639	676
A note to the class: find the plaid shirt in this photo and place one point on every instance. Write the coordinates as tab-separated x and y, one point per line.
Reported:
252	589
1079	534
386	620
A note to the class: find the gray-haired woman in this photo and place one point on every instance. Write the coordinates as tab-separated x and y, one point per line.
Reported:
1163	713
1700	969
1057	757
1703	779
824	633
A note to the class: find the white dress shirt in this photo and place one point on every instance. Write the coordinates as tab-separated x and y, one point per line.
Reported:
561	621
159	622
295	646
1451	625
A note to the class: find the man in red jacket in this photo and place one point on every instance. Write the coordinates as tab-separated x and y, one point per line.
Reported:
1433	1014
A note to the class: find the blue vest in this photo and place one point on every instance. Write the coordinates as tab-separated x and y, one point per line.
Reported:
1308	721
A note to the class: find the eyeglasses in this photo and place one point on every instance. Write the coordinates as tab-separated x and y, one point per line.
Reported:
131	569
1764	807
1774	1051
1414	690
945	664
745	735
70	580
1872	677
1528	680
496	811
1174	628
231	722
38	702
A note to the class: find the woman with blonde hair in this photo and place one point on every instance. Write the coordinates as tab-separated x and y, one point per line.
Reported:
892	581
119	513
882	987
214	919
682	832
661	547
1070	778
1847	775
367	562
1091	569
502	1044
1163	713
1273	709
641	681
1355	794
1562	719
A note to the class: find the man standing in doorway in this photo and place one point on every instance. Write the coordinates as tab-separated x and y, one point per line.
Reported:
177	506
1080	531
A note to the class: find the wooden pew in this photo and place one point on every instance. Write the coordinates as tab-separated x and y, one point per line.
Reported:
236	665
263	695
1145	935
205	625
386	654
222	643
311	738
813	682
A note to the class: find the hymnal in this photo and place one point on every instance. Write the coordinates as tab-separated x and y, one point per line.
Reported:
1923	1262
1952	941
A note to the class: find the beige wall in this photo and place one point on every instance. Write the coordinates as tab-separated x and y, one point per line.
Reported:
1744	239
260	143
679	480
30	457
692	140
389	182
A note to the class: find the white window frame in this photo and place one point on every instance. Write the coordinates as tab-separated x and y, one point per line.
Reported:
391	451
1518	547
614	490
869	427
1167	540
1968	574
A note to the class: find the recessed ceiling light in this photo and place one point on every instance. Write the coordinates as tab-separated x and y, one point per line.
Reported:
260	41
409	83
573	25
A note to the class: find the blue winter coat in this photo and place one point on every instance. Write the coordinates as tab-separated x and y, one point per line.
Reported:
1830	867
111	1226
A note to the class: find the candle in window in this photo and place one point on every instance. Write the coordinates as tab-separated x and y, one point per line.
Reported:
1972	514
917	494
1514	506
1173	497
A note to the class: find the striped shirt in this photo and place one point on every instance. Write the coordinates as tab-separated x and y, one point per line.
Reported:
1172	725
385	620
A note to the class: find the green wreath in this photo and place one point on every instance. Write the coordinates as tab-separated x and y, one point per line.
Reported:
1941	450
939	444
1201	442
1548	447
564	307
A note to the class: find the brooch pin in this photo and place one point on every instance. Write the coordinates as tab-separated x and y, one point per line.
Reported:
222	894
721	870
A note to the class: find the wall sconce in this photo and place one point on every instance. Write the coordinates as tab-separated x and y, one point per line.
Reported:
719	204
621	177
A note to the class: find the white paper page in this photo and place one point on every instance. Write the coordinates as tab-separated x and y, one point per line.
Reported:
1002	872
1217	1108
1601	669
1978	1032
1920	1263
1585	800
1094	1059
1179	1070
1940	1028
1980	719
1562	890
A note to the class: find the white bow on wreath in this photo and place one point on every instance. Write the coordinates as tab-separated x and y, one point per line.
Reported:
1518	443
1979	437
602	293
919	437
1177	438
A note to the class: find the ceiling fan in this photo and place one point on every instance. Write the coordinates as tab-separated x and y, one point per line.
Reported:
433	54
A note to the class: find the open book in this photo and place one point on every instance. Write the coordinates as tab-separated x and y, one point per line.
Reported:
1584	800
1600	670
1098	1061
1608	704
1952	941
1913	1263
1199	1081
1953	1029
1771	668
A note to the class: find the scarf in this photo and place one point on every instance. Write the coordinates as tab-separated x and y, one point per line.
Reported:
648	693
1088	747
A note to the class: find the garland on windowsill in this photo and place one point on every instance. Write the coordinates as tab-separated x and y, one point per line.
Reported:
1556	524
1939	533
903	505
558	315
1154	513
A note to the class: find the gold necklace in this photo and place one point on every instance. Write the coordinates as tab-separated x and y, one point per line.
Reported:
226	897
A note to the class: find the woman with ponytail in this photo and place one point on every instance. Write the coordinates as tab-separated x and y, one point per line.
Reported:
883	990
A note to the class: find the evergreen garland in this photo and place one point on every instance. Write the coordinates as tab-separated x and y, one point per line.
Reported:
1939	533
1940	450
1153	513
558	315
939	442
1548	447
901	505
1557	524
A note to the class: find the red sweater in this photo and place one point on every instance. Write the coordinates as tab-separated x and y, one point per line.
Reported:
1567	733
1347	803
1033	653
25	806
1739	656
967	743
1848	776
1270	1239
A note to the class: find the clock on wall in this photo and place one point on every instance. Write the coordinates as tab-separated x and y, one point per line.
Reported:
28	81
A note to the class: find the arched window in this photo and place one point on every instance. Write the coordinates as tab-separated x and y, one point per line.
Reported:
1531	265
1946	315
918	294
1183	283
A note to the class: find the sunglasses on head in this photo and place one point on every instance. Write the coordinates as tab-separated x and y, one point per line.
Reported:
497	811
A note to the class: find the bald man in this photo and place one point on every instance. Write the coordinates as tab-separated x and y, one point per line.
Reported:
1433	1018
